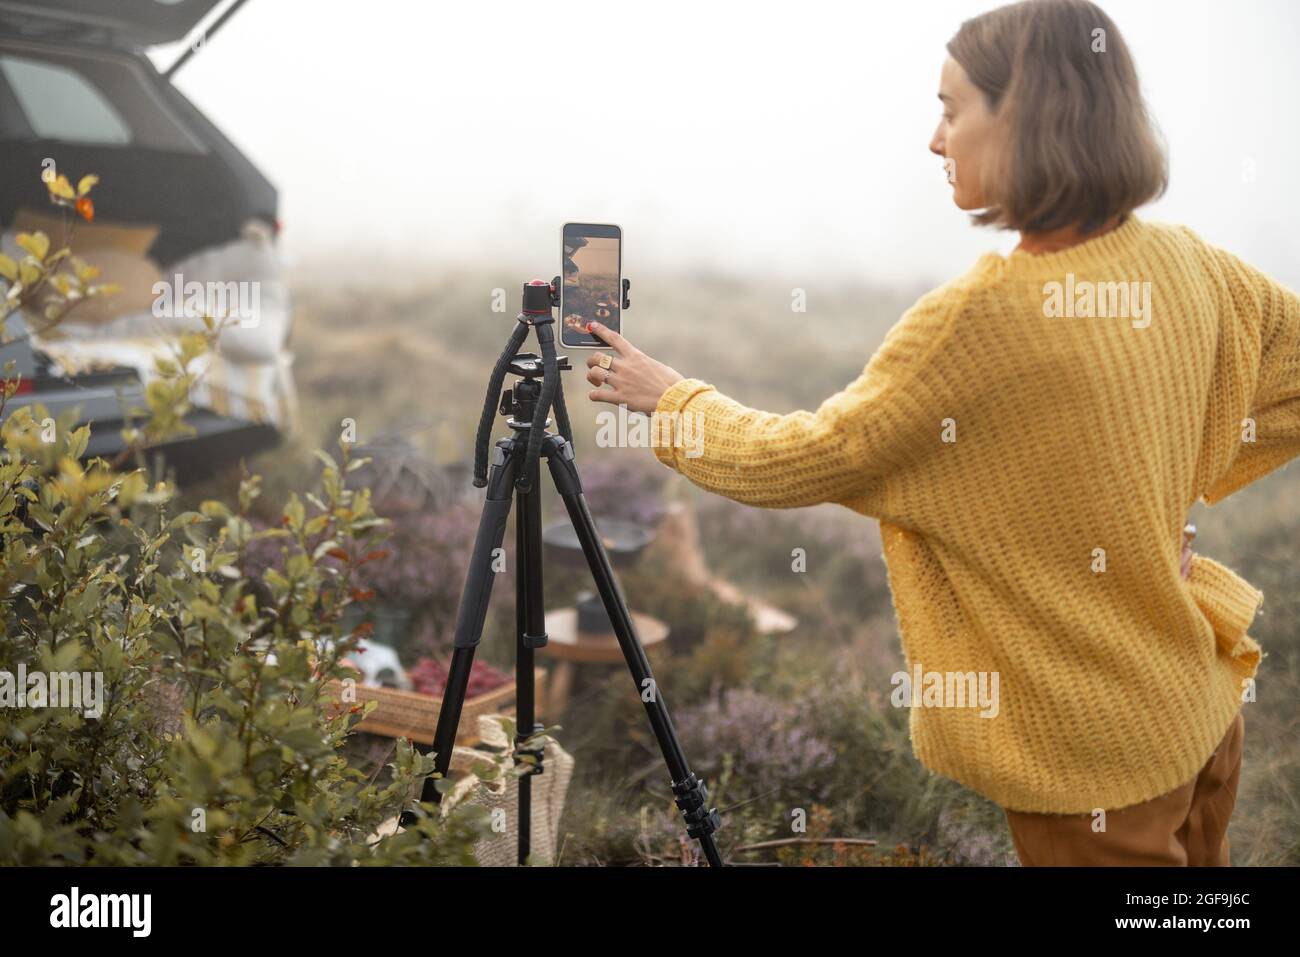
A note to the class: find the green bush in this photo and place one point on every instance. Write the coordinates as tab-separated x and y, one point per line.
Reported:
206	730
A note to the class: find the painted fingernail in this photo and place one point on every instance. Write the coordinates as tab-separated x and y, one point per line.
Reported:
590	325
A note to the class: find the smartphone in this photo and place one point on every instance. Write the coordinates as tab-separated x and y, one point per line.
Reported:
591	282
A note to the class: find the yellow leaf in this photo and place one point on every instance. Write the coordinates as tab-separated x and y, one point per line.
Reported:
62	188
70	468
38	244
29	272
133	486
87	184
8	268
98	480
85	272
192	346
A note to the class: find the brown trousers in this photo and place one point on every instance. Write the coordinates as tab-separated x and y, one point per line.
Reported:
1188	827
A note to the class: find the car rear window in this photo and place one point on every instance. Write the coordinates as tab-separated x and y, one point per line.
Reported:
85	99
60	104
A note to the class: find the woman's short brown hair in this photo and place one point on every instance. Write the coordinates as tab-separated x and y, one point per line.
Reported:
1080	146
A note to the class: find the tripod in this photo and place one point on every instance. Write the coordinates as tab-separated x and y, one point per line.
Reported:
515	465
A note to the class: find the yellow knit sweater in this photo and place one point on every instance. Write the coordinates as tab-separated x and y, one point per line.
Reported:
1032	474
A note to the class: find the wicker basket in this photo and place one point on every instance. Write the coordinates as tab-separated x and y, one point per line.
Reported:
412	715
549	791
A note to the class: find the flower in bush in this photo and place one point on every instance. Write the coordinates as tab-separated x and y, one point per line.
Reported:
428	555
768	739
422	569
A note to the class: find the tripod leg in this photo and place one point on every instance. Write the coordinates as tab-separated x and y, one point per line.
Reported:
530	626
472	612
691	794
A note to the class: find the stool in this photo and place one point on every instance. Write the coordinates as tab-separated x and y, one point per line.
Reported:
572	648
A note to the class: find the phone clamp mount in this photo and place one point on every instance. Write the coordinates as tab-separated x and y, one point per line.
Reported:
555	294
514	467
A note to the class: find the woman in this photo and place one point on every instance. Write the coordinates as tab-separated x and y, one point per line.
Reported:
1031	436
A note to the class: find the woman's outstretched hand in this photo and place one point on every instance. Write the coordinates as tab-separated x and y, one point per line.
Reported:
635	380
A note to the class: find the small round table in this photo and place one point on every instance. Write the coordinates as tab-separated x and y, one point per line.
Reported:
571	648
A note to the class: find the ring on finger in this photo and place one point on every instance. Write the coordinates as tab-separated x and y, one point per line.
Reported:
608	373
606	361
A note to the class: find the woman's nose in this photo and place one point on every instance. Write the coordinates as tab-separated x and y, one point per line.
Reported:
936	143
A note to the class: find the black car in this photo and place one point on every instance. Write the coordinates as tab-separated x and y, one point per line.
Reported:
178	208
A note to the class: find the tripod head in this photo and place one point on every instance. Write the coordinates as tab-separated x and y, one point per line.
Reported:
519	402
528	402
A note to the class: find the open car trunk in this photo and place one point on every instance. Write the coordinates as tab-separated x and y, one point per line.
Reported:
125	23
177	204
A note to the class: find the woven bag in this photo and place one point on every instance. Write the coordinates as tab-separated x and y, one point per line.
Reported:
548	793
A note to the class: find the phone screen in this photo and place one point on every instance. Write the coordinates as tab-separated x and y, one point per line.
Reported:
591	286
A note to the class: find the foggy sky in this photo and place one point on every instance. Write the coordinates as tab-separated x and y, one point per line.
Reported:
786	139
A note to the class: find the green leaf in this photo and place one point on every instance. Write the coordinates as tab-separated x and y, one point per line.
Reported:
326	458
316	525
214	509
294	512
185	519
78	441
